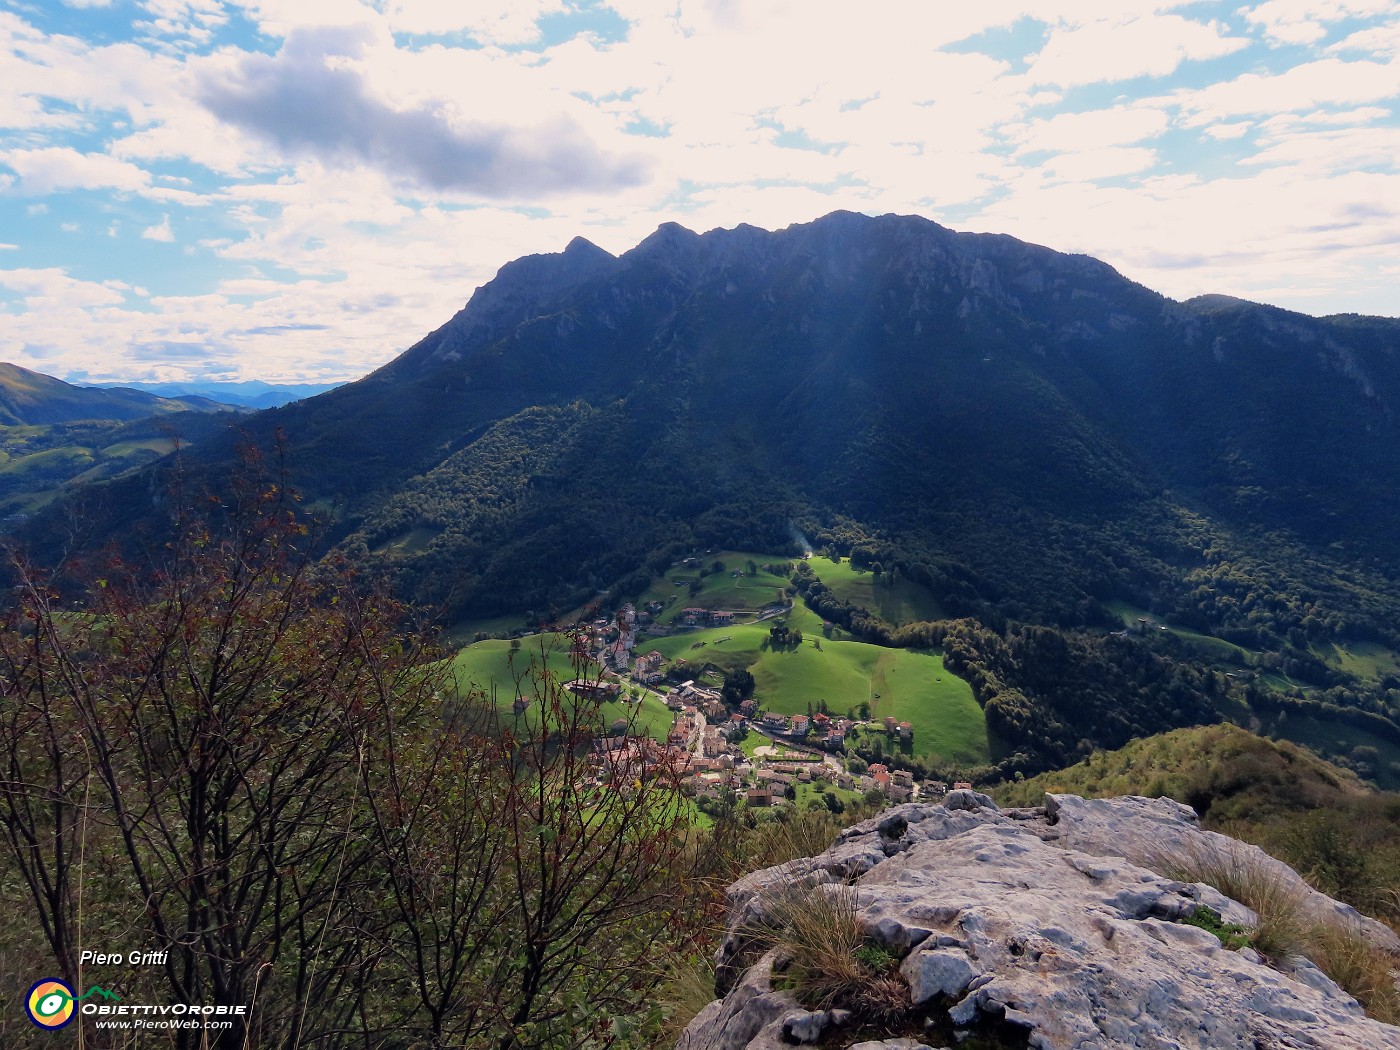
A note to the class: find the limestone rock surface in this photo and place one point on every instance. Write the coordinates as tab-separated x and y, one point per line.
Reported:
1051	928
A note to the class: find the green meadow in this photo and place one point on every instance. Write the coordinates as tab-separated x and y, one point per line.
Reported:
1369	661
898	603
31	475
492	668
1222	654
160	446
912	685
412	541
67	457
807	794
1329	738
719	590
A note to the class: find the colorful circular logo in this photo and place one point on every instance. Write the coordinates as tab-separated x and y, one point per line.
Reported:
50	1004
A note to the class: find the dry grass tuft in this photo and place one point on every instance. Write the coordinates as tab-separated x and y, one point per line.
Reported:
797	837
819	931
1280	903
820	934
1342	951
1285	929
688	988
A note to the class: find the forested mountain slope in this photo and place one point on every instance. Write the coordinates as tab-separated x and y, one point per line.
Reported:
1027	432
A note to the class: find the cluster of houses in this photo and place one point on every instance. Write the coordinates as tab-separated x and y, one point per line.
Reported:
701	749
818	730
704	618
763	783
707	733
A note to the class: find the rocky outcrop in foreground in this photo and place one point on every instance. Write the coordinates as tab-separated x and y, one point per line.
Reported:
1029	928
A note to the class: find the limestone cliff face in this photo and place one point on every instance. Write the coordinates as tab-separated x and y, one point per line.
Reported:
1029	928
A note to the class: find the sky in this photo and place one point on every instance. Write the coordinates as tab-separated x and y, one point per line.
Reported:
299	190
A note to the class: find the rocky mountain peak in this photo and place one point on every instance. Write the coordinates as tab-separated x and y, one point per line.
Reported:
517	294
1058	928
581	250
669	237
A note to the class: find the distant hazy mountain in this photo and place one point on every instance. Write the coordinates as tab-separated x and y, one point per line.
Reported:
34	398
253	393
1027	432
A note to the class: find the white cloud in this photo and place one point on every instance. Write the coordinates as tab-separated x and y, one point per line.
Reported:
58	169
1224	132
1326	82
279	17
1091	130
9	247
52	288
507	22
315	98
58	83
175	23
1305	21
1279	235
1095	164
1328	152
161	232
1380	41
1364	115
1125	48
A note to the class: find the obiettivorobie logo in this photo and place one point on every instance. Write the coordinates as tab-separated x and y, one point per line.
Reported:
51	1003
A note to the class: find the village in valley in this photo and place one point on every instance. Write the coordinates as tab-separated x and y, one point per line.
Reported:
723	748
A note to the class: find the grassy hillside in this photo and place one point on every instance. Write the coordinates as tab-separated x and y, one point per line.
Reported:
39	462
1375	757
493	668
897	603
718	590
54	435
1369	661
1218	653
28	397
1225	772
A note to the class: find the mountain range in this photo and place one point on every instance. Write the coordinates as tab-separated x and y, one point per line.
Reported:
1028	433
248	393
32	398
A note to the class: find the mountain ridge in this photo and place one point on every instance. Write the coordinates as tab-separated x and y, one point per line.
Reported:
1079	436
